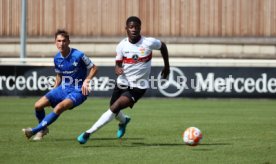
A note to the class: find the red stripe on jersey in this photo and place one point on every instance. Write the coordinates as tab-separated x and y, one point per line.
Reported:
141	59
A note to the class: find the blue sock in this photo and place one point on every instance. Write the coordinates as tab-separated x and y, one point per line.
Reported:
48	120
40	114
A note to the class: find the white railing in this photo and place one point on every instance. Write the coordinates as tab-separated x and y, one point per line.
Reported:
155	62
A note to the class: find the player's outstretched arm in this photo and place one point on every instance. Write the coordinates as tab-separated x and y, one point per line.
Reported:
58	80
85	86
165	55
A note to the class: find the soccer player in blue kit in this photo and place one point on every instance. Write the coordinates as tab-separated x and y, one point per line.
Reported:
74	72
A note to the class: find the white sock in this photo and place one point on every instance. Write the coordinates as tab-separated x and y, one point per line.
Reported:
121	117
104	119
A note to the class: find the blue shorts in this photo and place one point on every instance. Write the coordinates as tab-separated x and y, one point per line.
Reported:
58	94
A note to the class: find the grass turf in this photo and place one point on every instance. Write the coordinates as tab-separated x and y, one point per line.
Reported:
234	131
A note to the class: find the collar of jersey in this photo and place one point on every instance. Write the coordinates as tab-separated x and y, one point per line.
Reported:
136	42
67	55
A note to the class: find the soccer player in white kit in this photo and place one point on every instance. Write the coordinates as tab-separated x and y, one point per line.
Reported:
133	66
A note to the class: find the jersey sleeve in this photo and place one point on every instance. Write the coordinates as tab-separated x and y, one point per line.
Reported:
88	63
119	52
154	44
57	70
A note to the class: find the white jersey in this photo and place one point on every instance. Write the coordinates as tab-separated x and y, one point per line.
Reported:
136	60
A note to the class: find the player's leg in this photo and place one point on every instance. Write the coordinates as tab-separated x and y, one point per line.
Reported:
51	117
122	102
58	100
105	117
133	94
117	103
41	129
71	100
40	114
121	117
115	95
52	98
39	108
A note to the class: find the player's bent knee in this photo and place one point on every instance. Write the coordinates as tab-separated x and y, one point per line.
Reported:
61	107
115	109
41	103
121	104
38	106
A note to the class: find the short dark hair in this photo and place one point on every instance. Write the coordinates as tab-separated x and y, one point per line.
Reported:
63	33
133	19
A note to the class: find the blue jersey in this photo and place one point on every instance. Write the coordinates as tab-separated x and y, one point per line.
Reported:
73	68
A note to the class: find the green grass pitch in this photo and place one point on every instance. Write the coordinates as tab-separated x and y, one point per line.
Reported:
234	131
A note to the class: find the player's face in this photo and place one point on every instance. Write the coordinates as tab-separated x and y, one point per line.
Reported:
133	31
62	44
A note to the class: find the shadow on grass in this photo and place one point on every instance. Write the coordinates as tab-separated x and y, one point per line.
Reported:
122	139
215	144
139	143
207	146
156	144
134	144
178	144
201	147
100	139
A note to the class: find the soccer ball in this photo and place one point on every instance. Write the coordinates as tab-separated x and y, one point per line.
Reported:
192	136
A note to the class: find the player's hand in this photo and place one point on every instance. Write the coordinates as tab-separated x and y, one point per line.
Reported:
85	89
119	70
165	72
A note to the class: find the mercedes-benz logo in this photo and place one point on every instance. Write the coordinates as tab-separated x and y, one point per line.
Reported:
174	85
50	82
